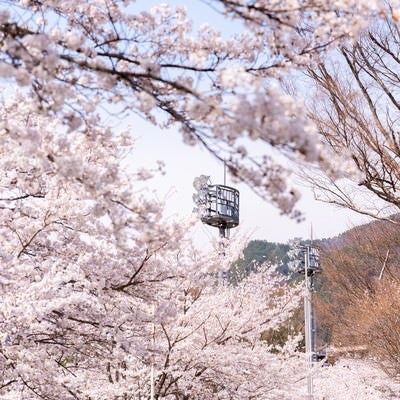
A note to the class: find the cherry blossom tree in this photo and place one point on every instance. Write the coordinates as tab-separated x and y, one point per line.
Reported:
101	296
354	379
77	57
214	351
75	243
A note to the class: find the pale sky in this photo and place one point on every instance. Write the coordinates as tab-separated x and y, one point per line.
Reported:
258	219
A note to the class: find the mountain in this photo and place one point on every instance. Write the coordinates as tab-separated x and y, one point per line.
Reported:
358	301
357	298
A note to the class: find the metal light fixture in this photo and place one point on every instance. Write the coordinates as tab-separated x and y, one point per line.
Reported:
218	205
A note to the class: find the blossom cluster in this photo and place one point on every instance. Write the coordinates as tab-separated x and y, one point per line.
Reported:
75	57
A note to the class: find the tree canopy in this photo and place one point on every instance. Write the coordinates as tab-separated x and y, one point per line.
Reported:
103	297
356	112
75	58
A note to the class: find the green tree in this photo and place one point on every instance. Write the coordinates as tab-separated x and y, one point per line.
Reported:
256	253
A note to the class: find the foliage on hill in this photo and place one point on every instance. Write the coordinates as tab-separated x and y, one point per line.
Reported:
357	298
256	253
358	301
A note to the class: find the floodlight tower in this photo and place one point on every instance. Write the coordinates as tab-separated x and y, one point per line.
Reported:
218	205
309	266
222	208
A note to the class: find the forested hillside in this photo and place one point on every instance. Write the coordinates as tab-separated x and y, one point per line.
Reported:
358	301
256	253
357	294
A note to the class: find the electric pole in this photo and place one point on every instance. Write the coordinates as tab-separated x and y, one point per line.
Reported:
311	267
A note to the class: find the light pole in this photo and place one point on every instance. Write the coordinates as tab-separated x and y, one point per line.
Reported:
218	206
153	340
311	267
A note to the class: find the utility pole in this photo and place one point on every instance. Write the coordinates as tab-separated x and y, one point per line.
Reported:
153	341
307	323
311	267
